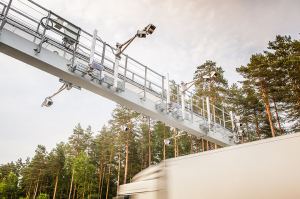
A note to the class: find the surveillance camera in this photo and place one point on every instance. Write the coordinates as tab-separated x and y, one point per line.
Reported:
47	102
150	29
141	34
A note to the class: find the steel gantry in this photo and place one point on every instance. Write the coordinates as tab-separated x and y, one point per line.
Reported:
43	39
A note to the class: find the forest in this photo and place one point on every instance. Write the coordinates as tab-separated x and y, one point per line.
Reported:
93	164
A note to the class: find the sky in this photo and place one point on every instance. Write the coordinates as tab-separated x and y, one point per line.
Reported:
188	33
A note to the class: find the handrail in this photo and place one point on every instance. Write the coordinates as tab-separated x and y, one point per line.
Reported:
147	79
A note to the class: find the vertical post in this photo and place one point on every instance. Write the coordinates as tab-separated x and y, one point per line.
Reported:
168	89
162	88
75	48
214	108
93	45
208	113
5	15
145	83
116	71
3	10
38	49
37	31
207	145
168	94
178	100
223	113
125	70
182	102
102	60
103	53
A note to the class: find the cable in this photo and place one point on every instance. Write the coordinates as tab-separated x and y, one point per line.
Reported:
63	87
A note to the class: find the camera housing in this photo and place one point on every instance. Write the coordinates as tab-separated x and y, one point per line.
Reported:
47	102
150	29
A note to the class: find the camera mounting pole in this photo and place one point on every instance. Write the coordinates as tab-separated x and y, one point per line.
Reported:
120	48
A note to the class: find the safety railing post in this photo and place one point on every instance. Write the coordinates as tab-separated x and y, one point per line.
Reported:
116	71
3	10
208	113
103	53
125	70
93	45
168	89
6	9
37	31
39	47
145	83
214	109
75	49
182	92
178	100
162	88
102	61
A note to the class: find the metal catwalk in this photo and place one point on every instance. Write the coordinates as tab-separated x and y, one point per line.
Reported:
43	39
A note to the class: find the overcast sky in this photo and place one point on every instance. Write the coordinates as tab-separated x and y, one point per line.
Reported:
188	33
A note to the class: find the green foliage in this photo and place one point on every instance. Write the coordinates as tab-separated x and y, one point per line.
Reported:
43	196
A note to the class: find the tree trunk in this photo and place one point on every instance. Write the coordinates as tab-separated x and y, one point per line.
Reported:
100	179
36	188
126	162
71	186
55	187
202	145
108	178
37	185
268	110
191	150
29	190
102	182
119	171
277	117
256	125
74	192
207	145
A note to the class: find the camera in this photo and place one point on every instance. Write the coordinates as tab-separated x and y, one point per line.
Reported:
47	102
141	34
150	29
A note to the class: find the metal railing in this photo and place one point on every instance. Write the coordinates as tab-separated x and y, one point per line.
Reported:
48	30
